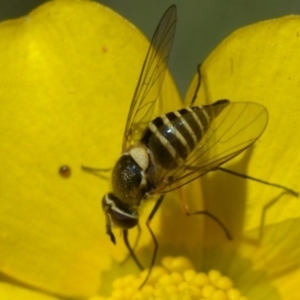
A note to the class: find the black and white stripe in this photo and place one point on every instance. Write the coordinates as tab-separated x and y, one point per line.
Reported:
170	138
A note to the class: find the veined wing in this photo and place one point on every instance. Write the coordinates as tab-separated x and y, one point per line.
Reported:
235	129
151	78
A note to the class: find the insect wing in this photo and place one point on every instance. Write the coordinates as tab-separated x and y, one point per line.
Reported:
151	79
235	129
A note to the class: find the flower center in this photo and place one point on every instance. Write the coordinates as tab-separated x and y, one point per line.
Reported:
175	279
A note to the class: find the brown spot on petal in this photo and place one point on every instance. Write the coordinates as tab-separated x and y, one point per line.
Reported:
65	171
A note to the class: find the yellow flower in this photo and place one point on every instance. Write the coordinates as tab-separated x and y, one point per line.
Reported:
69	70
266	270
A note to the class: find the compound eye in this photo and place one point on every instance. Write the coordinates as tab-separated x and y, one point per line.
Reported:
122	219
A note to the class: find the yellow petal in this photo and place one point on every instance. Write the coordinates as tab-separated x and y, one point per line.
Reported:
12	291
68	73
258	63
274	259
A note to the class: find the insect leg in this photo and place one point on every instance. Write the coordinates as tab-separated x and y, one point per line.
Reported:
90	169
135	244
131	252
96	171
150	217
198	85
203	212
259	180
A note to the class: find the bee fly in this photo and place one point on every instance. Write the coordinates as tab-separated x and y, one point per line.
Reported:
164	153
172	149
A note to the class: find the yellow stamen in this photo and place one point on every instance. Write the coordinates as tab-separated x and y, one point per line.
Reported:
176	279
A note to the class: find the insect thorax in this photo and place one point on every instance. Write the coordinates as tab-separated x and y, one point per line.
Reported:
129	178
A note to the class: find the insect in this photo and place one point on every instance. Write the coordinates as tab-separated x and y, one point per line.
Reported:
163	153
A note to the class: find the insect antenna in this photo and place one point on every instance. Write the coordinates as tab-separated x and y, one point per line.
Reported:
296	194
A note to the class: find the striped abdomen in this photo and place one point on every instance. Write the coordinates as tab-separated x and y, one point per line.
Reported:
170	138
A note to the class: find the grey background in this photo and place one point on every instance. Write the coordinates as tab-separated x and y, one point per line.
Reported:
202	24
